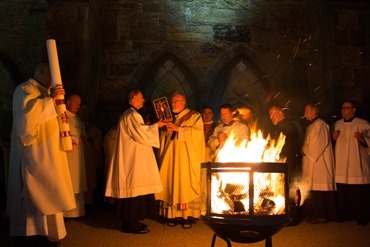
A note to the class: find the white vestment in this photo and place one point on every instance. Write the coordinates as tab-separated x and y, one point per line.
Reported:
318	162
76	163
240	131
93	159
181	154
109	143
39	185
351	158
133	169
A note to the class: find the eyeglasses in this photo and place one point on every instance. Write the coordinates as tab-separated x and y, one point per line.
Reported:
175	101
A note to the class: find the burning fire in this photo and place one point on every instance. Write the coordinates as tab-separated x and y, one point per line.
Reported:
230	193
257	149
230	190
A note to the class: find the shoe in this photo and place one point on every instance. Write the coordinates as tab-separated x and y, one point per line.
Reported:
361	222
43	241
127	229
172	222
135	227
317	221
24	241
342	219
142	225
186	225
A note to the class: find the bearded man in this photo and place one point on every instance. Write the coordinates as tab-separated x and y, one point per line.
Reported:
180	155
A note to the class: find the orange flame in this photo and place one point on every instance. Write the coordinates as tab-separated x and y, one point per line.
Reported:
269	187
257	149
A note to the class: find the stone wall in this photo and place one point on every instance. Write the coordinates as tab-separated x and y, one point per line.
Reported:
22	29
205	37
296	50
257	53
22	32
350	56
76	26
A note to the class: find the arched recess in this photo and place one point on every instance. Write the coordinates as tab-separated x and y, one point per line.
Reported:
9	79
239	83
165	73
168	78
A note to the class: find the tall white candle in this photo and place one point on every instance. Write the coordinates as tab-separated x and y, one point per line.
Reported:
53	62
59	103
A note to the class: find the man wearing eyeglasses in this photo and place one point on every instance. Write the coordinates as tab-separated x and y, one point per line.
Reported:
181	153
352	176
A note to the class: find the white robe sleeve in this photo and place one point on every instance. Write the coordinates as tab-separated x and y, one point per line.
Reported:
316	142
29	112
140	132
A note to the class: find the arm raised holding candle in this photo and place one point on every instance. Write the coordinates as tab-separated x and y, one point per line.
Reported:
39	177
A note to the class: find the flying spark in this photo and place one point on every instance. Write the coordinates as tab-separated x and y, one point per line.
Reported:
285	34
276	95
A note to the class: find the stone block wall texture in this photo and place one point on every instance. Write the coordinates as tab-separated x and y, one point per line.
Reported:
306	51
300	50
22	31
206	31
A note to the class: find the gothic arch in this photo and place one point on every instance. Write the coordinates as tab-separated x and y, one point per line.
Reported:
169	77
165	73
241	84
9	79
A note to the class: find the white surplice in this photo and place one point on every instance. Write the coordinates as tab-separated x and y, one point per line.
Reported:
318	162
351	158
39	178
133	170
76	162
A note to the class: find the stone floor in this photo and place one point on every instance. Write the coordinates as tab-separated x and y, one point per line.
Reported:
99	228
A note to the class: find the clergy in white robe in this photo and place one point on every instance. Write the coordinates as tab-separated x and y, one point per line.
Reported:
208	126
93	159
133	170
109	144
181	154
352	175
318	169
39	187
228	126
76	157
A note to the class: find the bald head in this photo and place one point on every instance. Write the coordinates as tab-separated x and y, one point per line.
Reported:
42	75
73	103
276	114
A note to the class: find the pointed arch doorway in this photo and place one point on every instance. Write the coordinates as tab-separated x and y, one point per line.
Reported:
239	84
